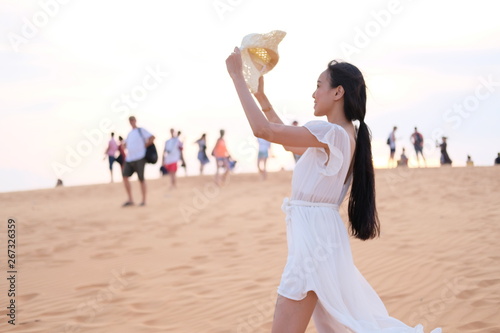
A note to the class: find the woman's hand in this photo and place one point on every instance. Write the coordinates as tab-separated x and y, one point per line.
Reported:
234	64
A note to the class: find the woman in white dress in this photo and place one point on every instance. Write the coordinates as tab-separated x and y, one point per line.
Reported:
320	279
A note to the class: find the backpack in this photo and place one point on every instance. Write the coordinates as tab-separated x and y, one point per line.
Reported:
151	153
419	139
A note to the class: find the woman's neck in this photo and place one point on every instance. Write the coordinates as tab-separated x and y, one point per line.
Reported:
337	116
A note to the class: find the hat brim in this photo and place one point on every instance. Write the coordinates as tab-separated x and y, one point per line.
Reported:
259	53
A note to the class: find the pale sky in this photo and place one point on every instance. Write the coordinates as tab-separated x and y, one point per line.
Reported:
68	67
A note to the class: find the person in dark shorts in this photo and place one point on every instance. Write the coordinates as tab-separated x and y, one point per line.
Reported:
122	155
417	139
391	141
137	141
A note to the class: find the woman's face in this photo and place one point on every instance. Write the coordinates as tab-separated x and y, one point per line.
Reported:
323	95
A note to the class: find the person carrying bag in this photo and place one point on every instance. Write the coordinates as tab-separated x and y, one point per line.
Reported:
151	152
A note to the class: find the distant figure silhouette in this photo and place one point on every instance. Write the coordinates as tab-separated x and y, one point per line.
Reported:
403	161
445	159
417	139
222	157
172	154
497	160
202	152
122	155
262	157
391	141
183	162
59	183
110	152
469	162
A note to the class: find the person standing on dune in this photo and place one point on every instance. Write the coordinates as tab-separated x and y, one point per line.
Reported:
136	143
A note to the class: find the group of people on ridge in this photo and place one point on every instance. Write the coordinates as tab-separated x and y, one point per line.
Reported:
417	140
132	151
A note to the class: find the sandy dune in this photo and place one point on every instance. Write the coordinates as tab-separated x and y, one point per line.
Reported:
209	259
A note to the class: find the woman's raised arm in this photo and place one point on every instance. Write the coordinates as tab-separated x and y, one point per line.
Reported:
289	136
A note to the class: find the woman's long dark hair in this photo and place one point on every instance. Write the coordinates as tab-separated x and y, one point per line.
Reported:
362	209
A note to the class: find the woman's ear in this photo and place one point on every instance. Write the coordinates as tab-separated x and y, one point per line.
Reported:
339	92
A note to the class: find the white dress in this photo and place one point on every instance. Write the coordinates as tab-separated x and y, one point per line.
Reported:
319	253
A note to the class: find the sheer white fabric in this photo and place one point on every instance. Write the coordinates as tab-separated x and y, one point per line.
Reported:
319	253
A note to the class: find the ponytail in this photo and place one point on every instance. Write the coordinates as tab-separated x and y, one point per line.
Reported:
362	209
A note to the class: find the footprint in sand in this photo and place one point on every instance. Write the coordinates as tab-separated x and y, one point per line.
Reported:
147	307
178	268
56	313
104	255
27	297
162	325
140	250
467	294
58	263
270	241
95	286
29	322
486	302
488	283
63	247
196	272
125	278
476	325
41	253
200	259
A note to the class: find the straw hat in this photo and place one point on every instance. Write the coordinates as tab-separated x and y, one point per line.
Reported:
259	53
